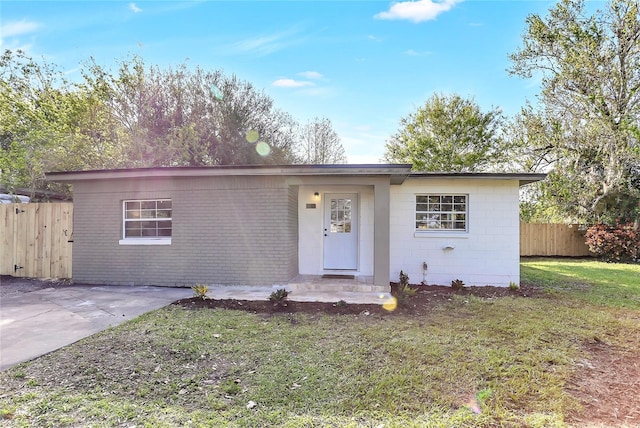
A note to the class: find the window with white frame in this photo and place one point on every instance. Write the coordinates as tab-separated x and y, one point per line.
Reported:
147	219
441	212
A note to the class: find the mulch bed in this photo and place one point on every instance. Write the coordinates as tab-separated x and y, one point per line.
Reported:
426	298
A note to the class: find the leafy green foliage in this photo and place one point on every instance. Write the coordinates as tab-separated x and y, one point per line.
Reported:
404	291
586	126
200	290
279	296
141	116
449	133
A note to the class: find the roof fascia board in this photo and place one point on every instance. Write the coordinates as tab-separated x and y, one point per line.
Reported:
288	170
523	178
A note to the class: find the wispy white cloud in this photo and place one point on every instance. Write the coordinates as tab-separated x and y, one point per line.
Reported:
291	83
412	52
417	11
374	38
18	28
11	32
134	8
267	44
311	75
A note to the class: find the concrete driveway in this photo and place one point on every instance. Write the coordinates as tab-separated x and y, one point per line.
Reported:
37	322
37	318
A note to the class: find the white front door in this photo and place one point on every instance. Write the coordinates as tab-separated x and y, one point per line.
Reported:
341	231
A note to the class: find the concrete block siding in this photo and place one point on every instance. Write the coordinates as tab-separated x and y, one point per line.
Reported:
223	229
487	255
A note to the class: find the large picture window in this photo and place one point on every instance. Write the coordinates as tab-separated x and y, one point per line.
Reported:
441	212
147	219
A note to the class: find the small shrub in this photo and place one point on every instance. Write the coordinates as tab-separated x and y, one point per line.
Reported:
404	280
620	243
409	291
457	284
404	291
200	291
341	304
513	286
279	296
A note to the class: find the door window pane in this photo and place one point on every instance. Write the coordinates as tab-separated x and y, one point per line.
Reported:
340	216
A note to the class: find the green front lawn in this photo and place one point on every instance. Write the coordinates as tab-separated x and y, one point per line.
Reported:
470	362
610	284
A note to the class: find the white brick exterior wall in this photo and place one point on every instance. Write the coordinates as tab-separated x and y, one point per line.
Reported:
487	255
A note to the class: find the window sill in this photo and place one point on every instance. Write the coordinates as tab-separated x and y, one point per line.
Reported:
145	241
437	234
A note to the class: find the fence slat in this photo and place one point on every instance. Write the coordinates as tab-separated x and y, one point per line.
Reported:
36	237
538	239
6	238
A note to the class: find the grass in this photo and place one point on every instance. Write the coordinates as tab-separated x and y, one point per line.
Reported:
599	283
469	363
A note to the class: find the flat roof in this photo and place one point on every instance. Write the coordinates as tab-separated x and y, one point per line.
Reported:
397	172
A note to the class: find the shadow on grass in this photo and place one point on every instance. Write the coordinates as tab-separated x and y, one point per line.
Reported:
609	284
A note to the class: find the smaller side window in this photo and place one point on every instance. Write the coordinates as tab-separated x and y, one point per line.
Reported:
441	212
147	219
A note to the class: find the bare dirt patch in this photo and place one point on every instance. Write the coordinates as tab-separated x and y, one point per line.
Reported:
607	384
11	286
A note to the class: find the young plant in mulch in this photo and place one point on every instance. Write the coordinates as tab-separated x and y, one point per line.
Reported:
404	292
457	284
279	297
200	291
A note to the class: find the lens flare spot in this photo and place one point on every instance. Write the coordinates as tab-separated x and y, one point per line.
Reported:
252	136
390	304
263	148
216	92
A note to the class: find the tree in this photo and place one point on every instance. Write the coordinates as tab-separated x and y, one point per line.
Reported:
139	116
590	102
449	133
36	115
185	117
320	144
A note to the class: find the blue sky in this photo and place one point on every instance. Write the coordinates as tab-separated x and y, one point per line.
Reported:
362	64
